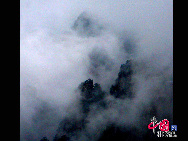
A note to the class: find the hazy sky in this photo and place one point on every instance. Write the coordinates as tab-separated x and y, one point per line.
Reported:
54	60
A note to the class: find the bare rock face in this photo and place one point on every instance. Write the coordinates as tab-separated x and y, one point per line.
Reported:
122	87
85	26
91	93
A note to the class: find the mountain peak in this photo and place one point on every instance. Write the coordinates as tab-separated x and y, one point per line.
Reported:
85	25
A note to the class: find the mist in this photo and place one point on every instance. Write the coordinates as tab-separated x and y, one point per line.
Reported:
64	43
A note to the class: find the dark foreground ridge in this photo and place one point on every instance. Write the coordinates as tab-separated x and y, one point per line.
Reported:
74	128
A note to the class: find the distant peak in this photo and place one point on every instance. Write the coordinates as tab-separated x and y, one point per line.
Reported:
85	25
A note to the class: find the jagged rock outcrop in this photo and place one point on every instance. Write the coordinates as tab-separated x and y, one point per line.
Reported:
123	84
86	26
91	93
71	126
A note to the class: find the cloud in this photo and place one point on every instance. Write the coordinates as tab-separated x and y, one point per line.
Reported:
55	59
